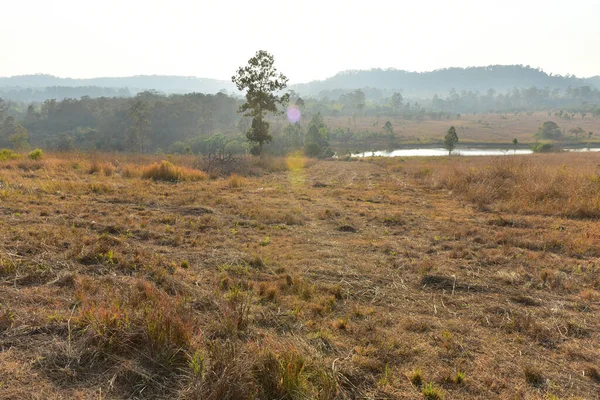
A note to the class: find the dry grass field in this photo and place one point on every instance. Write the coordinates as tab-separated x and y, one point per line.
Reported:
456	278
471	128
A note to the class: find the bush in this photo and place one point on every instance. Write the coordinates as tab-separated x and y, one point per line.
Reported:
312	149
165	171
6	155
177	148
235	147
35	154
544	148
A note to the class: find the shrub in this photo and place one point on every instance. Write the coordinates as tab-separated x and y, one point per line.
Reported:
431	392
35	154
6	155
165	171
312	149
460	377
544	148
416	378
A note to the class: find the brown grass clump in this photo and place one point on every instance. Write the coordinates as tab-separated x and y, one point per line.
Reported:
165	171
235	181
131	171
138	319
533	376
104	168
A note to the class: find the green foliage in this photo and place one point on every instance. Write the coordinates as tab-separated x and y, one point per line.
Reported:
236	147
396	101
549	130
6	155
543	147
65	142
388	128
35	154
312	149
259	133
177	148
13	133
293	137
431	392
139	129
261	81
416	377
451	139
460	377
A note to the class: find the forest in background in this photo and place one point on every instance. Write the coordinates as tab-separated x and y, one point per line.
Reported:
150	121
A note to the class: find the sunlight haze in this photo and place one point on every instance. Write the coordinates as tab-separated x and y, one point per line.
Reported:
309	39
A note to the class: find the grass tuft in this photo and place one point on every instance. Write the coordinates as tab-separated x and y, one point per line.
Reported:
165	171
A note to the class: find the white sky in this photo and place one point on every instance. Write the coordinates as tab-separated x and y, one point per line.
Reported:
310	39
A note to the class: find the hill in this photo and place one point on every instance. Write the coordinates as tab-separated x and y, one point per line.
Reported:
162	83
425	84
381	83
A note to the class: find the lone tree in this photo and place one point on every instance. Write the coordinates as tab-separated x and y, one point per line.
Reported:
450	140
549	130
261	81
515	144
388	128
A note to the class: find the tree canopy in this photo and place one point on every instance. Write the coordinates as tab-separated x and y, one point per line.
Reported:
451	139
261	82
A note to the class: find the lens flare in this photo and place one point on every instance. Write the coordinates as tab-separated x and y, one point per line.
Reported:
293	114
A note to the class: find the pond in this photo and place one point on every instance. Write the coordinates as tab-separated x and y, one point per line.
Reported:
466	151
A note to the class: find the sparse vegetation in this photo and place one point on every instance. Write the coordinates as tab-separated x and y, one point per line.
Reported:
165	171
299	279
35	154
6	155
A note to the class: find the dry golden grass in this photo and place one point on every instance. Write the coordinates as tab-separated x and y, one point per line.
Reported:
471	128
165	171
330	280
536	184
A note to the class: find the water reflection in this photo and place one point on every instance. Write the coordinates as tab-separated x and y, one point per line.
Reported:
433	152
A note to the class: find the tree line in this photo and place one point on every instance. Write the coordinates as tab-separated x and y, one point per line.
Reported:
199	123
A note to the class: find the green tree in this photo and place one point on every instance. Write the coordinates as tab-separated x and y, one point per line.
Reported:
293	136
13	133
20	138
450	140
515	143
388	128
577	131
396	102
66	142
3	110
138	135
261	82
549	130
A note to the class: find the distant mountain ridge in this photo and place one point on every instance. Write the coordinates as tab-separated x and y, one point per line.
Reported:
163	83
501	78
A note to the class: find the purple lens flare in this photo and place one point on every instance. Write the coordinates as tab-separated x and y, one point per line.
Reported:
293	114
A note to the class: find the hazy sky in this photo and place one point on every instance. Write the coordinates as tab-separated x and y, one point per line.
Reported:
309	39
